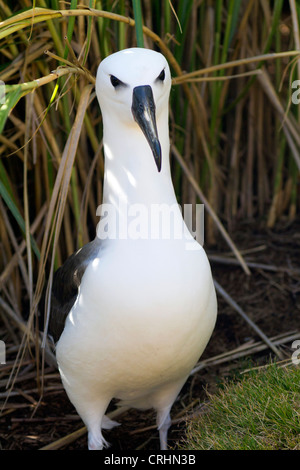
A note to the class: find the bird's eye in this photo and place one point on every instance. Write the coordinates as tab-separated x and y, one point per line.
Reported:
162	75
115	81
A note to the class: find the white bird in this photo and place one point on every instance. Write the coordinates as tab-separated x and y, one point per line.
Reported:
133	310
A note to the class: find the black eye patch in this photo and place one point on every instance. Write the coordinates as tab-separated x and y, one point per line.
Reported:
161	76
115	81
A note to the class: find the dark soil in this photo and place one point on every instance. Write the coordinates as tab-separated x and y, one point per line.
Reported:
270	297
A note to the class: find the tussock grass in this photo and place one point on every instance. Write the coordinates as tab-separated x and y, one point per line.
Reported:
235	142
260	412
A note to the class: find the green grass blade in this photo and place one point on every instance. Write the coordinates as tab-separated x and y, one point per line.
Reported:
121	26
138	22
89	33
11	100
17	215
275	21
71	23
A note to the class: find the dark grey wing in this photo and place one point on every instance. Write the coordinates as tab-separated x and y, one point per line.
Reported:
66	281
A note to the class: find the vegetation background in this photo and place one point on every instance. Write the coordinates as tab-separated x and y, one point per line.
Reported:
235	140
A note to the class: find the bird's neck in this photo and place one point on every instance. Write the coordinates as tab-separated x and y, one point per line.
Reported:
131	175
133	186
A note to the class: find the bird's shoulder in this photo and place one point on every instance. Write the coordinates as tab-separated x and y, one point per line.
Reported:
66	282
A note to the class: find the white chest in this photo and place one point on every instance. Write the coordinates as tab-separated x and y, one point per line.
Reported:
142	314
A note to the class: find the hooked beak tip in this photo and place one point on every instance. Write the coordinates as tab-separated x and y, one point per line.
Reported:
143	110
156	150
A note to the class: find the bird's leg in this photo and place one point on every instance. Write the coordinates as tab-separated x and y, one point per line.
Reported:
163	422
92	413
96	441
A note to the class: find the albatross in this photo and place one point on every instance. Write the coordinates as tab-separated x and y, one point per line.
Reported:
133	310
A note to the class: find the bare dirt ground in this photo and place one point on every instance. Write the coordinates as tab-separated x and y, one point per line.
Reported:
270	297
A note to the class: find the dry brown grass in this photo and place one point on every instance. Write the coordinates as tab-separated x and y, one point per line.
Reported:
234	130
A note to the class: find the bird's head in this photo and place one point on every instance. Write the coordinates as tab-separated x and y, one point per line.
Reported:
133	86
